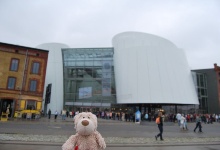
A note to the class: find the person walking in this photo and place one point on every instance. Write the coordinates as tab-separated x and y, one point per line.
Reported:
71	114
178	117
8	111
56	113
198	124
182	121
159	122
49	113
185	124
63	114
216	118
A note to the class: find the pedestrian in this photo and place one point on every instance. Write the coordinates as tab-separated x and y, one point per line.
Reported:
178	117
63	114
42	113
159	122
191	118
67	113
198	123
49	113
110	115
185	124
117	116
216	118
103	114
71	114
8	111
182	121
56	113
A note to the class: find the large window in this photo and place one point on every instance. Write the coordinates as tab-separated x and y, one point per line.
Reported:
202	92
11	82
35	68
33	85
31	105
87	79
14	64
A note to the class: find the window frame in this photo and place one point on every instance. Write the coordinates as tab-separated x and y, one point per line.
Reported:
31	86
33	69
31	105
13	64
8	82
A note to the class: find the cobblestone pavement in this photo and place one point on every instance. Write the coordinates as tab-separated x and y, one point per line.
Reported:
133	134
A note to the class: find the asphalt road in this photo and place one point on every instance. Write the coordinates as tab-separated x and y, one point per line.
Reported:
9	146
108	128
111	128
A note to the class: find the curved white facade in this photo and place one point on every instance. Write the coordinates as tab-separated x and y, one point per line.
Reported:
54	75
151	69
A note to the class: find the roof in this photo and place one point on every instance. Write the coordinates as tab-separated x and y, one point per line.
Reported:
25	47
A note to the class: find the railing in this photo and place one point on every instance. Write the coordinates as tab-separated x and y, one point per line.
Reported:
27	114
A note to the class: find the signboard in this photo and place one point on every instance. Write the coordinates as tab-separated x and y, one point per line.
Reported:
22	104
39	104
85	92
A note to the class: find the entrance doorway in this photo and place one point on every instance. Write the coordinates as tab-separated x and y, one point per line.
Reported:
87	109
4	103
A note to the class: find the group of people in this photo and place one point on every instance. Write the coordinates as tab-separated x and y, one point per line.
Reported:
180	118
205	118
64	113
121	116
182	123
159	118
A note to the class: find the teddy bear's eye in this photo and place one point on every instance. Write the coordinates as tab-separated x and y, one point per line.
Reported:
89	117
83	117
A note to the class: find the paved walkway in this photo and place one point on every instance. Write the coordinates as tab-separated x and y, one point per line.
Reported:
115	133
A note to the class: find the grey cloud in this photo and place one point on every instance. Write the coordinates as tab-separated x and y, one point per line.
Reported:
191	25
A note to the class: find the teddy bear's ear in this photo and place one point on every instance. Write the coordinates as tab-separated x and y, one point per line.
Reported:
76	118
94	118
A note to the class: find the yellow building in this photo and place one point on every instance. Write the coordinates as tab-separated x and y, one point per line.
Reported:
22	79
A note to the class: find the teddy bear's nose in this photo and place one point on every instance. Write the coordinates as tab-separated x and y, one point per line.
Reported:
85	122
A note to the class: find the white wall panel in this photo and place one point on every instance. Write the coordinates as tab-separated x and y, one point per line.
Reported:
151	69
54	75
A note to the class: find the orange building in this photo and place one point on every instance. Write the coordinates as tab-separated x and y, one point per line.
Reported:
22	79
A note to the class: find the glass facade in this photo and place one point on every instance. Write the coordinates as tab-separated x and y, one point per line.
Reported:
89	81
200	81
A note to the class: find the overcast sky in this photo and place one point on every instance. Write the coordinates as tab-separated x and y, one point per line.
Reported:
193	25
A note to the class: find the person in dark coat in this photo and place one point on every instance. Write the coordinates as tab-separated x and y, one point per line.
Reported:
198	124
49	113
160	127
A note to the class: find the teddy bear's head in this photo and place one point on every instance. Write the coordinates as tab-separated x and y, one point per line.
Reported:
85	123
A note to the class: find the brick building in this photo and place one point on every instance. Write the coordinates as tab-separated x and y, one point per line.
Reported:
22	78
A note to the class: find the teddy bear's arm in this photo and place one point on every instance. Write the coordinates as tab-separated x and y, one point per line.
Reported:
70	143
100	140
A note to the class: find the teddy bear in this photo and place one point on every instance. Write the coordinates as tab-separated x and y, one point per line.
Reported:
87	137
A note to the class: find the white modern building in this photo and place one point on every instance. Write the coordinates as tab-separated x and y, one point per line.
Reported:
54	75
151	69
146	71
